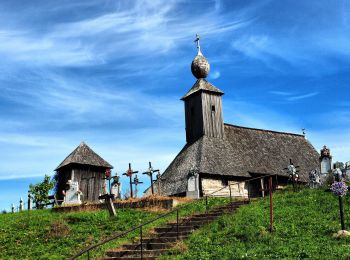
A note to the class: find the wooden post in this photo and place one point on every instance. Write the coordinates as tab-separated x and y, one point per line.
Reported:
29	202
271	205
20	204
270	189
262	187
129	173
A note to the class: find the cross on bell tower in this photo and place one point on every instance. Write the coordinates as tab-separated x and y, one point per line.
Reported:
203	104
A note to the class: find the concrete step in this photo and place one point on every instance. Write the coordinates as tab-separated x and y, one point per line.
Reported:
136	253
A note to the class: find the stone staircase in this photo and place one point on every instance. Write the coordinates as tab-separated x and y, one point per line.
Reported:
164	238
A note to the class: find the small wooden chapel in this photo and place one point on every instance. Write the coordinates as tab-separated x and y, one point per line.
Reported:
217	153
87	168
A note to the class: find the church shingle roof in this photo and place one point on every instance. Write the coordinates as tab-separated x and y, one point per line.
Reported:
242	153
84	155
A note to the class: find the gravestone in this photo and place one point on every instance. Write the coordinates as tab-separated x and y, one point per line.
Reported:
72	193
116	190
192	186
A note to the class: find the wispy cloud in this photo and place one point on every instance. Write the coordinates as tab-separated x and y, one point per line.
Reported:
290	96
308	95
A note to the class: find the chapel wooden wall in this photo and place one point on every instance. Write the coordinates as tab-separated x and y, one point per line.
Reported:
90	179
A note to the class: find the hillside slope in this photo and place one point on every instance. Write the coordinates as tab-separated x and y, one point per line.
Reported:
304	224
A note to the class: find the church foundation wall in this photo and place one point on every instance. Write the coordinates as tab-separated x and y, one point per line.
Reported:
238	189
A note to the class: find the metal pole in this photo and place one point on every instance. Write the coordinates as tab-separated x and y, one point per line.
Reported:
249	191
177	224
271	205
141	242
152	183
206	205
229	186
341	213
88	253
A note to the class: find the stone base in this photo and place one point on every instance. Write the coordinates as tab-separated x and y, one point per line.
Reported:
341	233
192	194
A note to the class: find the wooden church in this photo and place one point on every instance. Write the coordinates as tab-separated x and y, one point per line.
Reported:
87	168
216	154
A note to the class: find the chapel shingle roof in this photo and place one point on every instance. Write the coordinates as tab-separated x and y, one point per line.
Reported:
242	153
84	155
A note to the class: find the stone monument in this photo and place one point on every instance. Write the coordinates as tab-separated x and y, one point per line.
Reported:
72	194
192	185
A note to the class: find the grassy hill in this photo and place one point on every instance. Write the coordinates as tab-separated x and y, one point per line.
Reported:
304	224
43	234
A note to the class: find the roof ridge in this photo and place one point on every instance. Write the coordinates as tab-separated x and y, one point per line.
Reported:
265	130
87	157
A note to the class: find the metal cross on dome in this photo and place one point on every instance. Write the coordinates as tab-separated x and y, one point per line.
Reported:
197	42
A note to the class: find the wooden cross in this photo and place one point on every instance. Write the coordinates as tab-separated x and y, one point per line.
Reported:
129	173
150	174
270	189
293	173
136	182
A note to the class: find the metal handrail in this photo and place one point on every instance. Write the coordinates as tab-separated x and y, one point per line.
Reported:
87	250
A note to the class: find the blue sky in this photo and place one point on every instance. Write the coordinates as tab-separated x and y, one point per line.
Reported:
111	73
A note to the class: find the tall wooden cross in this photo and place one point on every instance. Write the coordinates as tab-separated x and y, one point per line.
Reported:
270	189
129	173
136	182
150	174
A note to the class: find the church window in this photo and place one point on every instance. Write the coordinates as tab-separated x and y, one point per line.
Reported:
212	108
224	182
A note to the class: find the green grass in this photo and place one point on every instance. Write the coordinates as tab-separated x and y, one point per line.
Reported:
304	224
43	234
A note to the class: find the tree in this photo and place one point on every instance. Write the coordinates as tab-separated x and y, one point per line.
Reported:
40	192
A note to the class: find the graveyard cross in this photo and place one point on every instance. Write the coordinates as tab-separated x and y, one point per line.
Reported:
158	181
293	173
129	173
136	182
270	189
150	174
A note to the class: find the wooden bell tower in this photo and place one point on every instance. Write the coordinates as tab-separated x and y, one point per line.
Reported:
203	103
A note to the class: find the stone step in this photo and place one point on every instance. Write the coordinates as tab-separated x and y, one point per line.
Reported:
148	246
131	258
136	253
174	228
162	239
182	235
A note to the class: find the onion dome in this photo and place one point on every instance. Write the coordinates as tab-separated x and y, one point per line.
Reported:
200	67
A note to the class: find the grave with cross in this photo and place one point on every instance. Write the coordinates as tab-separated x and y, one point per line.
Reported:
136	182
150	174
129	173
293	172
